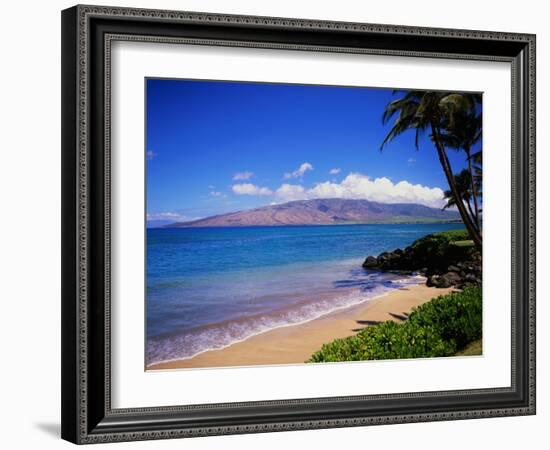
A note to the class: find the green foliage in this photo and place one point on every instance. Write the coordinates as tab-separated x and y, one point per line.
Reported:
387	340
438	251
438	328
463	185
455	317
453	120
442	238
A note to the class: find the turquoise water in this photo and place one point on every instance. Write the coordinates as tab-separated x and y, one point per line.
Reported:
210	287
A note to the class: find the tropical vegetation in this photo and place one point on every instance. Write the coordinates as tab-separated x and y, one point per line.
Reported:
453	121
445	326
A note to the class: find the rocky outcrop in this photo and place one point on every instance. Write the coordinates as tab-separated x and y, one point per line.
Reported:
371	263
443	263
397	260
444	281
463	274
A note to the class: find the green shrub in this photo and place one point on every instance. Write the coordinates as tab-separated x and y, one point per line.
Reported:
439	251
454	235
437	241
455	317
347	349
440	327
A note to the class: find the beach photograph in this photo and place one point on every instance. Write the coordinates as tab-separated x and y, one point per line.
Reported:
310	224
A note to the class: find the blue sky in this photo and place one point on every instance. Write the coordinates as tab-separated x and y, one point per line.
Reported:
215	147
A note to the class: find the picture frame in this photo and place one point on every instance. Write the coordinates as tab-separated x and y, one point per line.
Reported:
87	412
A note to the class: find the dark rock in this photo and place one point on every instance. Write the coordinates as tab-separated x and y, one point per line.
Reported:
450	279
444	281
398	252
370	263
384	256
433	281
388	261
469	277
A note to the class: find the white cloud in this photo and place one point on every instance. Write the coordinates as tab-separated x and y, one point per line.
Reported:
411	160
250	189
288	192
334	171
150	155
358	186
243	176
211	186
304	167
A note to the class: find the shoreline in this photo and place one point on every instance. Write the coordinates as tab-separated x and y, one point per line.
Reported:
294	344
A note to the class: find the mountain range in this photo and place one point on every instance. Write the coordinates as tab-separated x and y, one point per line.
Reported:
332	211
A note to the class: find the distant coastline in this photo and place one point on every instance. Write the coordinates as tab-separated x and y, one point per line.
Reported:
330	211
418	222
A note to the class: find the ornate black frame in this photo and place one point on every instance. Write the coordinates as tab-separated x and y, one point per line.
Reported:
87	31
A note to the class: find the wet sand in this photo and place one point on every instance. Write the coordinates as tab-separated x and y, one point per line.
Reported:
295	344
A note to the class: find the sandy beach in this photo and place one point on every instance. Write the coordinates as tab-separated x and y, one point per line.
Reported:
296	343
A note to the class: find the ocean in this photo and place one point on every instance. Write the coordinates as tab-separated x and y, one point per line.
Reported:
210	287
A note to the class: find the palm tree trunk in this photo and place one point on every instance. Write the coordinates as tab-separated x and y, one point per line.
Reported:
474	189
445	164
469	205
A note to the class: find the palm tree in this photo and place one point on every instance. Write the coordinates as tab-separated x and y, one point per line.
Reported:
421	111
463	131
463	185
